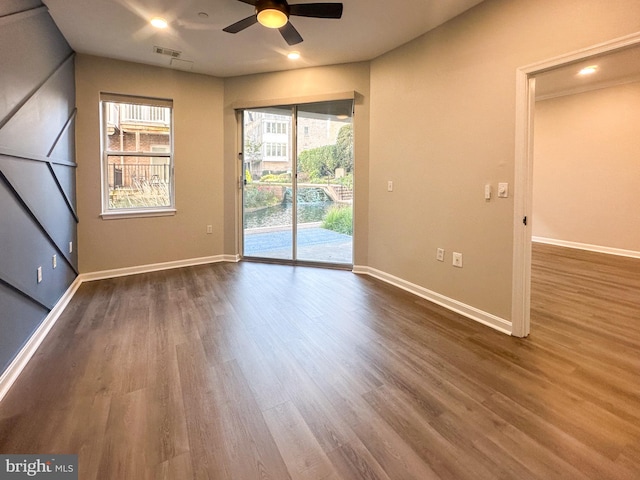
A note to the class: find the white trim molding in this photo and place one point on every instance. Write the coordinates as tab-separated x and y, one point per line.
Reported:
480	316
156	267
13	371
586	246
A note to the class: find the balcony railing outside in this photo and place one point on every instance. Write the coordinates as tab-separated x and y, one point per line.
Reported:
137	186
120	113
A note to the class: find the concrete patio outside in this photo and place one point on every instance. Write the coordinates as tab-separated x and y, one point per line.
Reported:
315	244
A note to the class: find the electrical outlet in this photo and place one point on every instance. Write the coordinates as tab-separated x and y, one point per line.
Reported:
54	261
39	274
440	254
209	228
457	259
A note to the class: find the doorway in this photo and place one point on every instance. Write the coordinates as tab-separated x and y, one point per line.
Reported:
297	196
525	108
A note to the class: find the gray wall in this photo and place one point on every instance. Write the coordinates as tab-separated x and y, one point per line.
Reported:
37	170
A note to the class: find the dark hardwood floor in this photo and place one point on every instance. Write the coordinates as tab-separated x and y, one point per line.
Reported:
254	371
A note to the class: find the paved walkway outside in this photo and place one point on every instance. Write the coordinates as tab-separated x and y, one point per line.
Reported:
314	244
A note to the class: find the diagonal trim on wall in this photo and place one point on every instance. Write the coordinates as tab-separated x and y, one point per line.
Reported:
23	292
50	164
37	123
28	97
39	224
66	198
72	210
36	158
63	131
17	16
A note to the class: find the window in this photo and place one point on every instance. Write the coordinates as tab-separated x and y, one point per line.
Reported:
137	155
275	127
275	149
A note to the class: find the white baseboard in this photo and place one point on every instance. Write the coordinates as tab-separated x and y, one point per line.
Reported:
13	371
586	246
155	267
463	309
11	374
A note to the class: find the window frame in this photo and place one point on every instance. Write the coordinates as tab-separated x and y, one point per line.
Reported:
105	153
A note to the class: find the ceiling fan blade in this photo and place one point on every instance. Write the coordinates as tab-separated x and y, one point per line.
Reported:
250	2
290	34
241	25
317	10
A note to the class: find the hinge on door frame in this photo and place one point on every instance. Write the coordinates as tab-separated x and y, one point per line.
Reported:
524	220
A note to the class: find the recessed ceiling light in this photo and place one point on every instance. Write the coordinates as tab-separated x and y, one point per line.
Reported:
159	22
293	55
588	70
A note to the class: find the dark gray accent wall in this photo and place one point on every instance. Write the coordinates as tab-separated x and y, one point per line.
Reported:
37	171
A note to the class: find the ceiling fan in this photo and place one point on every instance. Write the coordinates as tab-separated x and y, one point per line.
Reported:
275	14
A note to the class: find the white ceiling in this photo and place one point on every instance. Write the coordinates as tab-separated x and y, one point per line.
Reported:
120	29
614	68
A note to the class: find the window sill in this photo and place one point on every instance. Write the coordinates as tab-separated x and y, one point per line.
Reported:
138	214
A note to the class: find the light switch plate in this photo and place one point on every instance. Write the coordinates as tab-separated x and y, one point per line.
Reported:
503	190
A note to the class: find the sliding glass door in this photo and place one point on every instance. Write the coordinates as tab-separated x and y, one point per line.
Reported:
298	183
268	183
325	182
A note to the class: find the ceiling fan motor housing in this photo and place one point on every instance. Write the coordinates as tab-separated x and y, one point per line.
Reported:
279	5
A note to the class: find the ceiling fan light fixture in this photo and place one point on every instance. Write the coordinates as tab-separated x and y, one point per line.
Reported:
274	14
272	18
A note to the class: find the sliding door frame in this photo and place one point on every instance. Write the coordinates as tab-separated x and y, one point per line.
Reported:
294	105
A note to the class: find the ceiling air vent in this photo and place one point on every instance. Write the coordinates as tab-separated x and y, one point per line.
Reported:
186	65
166	51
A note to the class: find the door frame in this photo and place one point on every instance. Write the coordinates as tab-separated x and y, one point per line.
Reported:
294	107
523	180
